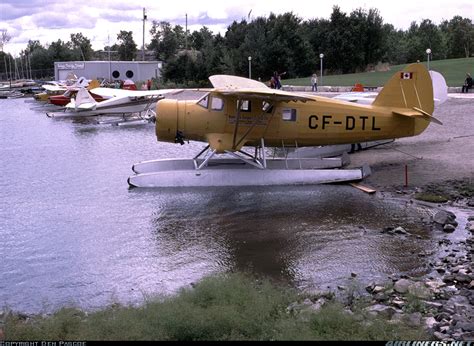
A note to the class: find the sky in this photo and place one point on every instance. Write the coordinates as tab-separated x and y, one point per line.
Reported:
101	20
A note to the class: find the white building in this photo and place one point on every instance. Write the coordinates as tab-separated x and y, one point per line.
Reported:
109	70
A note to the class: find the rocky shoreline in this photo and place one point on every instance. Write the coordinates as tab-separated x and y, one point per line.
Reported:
441	302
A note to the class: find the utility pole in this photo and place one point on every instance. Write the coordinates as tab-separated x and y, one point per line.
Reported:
143	45
186	34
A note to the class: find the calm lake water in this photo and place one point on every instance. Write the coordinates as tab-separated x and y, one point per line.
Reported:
73	233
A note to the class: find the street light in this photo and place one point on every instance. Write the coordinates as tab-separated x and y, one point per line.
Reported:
321	56
428	52
250	67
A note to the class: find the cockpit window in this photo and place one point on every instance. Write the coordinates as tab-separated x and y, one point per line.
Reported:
246	105
204	101
217	103
267	107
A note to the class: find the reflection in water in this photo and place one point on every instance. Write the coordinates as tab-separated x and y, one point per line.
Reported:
73	233
310	236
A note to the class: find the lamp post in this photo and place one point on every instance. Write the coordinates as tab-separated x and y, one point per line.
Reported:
321	56
428	52
250	67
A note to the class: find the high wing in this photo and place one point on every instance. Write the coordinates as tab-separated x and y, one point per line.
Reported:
109	92
51	87
242	87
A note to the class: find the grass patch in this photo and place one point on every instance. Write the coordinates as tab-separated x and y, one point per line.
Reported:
231	307
453	70
430	197
447	190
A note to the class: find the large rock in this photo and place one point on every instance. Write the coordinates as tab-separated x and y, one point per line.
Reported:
444	217
414	319
381	310
419	290
401	286
448	228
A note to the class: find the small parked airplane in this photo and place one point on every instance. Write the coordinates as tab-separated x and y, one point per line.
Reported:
116	102
242	112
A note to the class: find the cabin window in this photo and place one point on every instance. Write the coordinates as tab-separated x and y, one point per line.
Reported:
288	114
204	101
217	104
267	107
129	74
246	105
116	74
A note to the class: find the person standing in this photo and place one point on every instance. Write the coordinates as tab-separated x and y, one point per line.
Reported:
148	84
467	83
314	82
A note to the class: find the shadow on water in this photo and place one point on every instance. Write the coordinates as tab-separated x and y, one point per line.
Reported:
307	236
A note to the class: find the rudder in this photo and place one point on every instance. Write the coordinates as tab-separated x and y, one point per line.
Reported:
410	88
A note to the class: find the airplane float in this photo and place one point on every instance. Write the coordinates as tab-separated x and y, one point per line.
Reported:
240	112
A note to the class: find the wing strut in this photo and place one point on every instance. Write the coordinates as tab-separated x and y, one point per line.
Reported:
239	106
258	160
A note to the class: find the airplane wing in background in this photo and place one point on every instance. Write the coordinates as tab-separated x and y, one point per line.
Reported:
109	92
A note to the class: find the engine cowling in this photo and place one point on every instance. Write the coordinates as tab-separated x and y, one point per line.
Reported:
166	120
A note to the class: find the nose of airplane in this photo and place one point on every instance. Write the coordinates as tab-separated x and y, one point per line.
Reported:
166	125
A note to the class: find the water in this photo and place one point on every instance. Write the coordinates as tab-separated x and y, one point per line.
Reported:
73	233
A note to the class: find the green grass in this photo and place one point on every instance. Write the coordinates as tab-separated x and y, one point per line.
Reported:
430	197
232	307
453	70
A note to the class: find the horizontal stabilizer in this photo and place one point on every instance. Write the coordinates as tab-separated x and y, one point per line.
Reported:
417	113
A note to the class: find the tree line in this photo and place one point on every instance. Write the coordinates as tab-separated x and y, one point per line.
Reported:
351	42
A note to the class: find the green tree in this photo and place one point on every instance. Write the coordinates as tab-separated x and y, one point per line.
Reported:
127	48
60	51
395	45
81	46
423	36
165	42
459	33
40	57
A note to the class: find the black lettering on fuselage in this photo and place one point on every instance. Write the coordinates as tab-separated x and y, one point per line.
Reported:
373	125
350	122
325	121
313	119
363	121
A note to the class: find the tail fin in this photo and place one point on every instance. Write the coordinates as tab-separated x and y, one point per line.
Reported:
411	88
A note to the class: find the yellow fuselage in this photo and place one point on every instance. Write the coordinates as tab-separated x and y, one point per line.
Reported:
320	122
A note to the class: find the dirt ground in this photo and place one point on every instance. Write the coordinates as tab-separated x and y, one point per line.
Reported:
440	153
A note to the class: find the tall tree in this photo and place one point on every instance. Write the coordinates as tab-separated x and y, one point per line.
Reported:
459	33
60	51
127	48
165	41
82	47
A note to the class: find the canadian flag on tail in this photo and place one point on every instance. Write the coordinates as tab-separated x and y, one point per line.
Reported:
406	75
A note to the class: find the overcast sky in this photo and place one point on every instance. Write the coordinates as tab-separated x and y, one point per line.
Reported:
102	20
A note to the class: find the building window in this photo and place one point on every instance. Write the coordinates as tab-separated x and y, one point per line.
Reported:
116	74
129	74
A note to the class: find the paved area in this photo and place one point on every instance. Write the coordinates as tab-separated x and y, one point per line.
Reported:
440	153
